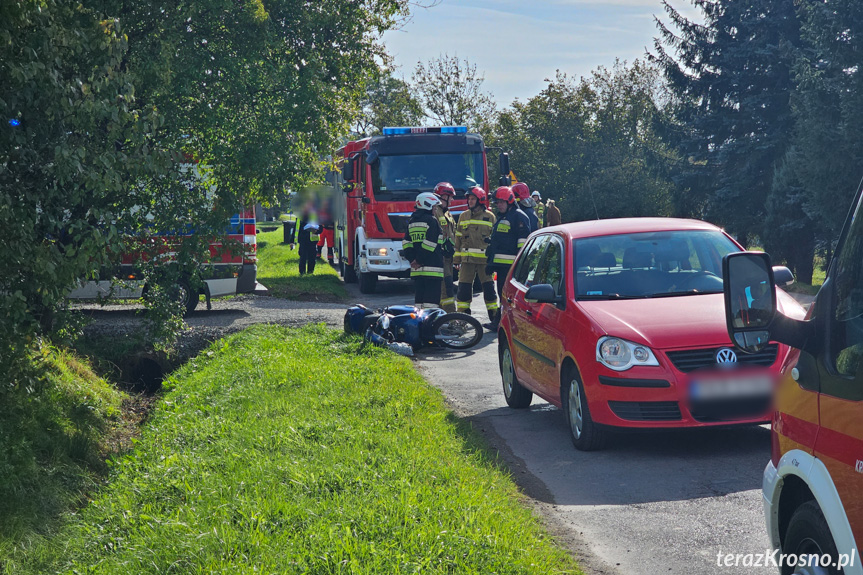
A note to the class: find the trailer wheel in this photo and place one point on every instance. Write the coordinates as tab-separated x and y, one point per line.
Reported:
187	296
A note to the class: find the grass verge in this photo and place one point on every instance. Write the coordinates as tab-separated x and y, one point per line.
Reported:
297	451
54	436
278	269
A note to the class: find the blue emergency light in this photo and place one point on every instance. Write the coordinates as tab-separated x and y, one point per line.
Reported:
13	122
390	131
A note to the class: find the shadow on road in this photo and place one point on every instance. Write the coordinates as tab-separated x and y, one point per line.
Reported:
636	466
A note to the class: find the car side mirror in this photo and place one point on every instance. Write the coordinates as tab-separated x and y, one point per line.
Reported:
750	299
782	276
542	293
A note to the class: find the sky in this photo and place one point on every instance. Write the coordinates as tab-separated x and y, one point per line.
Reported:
517	44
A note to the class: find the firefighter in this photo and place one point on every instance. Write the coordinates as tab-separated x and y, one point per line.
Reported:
526	204
327	236
539	209
328	233
445	192
509	233
423	248
471	240
307	234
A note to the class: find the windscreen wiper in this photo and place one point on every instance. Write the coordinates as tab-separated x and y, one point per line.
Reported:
679	293
608	296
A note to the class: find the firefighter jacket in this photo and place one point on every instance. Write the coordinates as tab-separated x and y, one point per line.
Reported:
471	235
423	244
447	225
507	236
527	206
307	234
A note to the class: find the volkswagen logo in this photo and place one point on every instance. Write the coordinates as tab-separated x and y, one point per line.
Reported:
726	356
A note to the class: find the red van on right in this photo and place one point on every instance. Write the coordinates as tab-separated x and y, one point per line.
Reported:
813	485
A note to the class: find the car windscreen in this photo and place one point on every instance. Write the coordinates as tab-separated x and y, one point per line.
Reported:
651	264
402	177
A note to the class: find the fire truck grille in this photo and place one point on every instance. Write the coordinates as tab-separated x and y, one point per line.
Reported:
399	223
692	359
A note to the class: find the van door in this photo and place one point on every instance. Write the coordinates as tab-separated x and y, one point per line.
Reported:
839	444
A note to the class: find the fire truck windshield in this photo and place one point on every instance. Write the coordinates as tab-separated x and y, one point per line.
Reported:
401	178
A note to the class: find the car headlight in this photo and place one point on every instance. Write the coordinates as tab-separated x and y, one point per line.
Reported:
620	355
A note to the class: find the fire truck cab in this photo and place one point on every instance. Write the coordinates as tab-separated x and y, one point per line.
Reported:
378	183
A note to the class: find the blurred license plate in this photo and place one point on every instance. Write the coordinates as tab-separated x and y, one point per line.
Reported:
743	386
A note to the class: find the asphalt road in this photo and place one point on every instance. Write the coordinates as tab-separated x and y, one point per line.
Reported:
651	503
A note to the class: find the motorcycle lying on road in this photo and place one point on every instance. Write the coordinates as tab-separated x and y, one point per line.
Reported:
406	329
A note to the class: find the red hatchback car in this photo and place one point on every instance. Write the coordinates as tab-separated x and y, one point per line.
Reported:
621	323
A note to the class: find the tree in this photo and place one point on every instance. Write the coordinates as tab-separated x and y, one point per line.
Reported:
450	91
70	141
388	101
593	144
828	110
102	104
732	77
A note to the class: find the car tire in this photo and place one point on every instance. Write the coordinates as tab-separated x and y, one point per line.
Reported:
584	433
517	396
809	534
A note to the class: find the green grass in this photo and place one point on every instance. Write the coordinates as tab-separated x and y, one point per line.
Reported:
52	444
297	451
278	269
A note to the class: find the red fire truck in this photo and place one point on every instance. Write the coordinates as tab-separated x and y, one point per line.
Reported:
379	180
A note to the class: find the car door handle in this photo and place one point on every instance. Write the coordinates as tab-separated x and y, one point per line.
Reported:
508	300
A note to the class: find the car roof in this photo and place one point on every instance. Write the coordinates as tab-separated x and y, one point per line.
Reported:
593	228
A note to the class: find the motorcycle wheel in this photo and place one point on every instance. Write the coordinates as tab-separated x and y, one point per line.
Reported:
457	330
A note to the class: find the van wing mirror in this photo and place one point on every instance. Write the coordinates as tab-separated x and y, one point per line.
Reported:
750	299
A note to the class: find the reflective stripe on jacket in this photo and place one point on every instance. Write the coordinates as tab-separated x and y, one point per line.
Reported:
508	235
473	227
422	244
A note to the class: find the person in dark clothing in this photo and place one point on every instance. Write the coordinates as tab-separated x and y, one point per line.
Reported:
526	204
422	246
307	234
508	235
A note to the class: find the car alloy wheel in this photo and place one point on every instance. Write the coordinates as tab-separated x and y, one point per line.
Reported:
517	396
576	412
507	373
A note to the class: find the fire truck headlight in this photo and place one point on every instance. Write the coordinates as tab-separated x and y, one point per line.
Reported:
379	252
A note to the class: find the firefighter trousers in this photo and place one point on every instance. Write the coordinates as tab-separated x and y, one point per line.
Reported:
447	290
466	275
427	291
